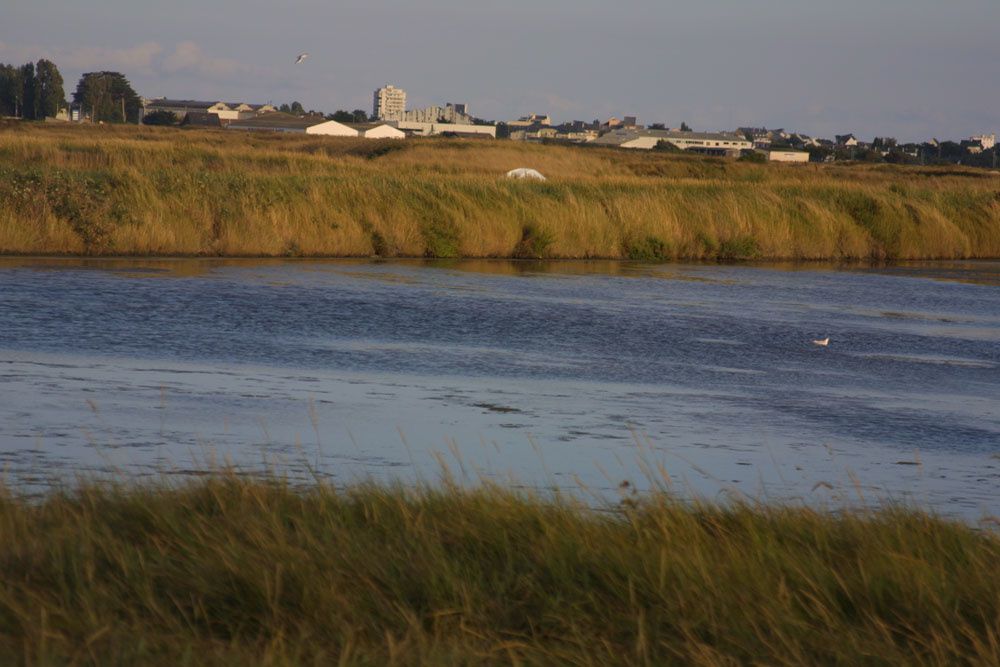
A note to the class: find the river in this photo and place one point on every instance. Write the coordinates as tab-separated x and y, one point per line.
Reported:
577	375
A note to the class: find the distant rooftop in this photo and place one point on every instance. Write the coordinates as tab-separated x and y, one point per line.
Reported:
621	136
279	120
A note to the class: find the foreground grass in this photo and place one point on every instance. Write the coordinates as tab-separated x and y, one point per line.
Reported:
155	191
230	570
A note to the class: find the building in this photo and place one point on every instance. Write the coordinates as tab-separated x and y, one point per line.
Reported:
377	130
786	155
449	113
529	120
225	111
987	141
456	129
847	141
286	122
389	103
721	143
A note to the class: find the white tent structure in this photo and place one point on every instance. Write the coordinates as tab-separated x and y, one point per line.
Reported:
523	172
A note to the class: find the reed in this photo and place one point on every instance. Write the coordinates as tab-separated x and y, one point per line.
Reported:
230	570
153	191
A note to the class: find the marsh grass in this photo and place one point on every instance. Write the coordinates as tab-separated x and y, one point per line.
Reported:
154	191
235	570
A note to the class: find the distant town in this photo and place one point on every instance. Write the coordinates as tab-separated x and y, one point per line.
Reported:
34	92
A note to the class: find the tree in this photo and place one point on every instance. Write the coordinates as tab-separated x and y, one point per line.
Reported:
49	94
685	127
284	108
666	147
160	117
11	90
360	116
755	157
297	109
884	143
107	96
28	95
342	116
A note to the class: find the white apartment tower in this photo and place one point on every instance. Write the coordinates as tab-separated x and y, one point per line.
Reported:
390	103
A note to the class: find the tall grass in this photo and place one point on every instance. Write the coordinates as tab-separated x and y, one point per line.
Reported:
230	570
146	191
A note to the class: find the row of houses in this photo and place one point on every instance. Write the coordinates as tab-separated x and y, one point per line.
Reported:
396	122
264	118
315	124
224	111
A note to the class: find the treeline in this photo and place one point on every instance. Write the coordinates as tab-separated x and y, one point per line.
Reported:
33	91
107	97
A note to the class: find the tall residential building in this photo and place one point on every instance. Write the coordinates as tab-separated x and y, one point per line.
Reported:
390	103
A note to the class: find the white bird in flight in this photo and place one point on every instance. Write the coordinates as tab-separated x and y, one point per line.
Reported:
302	56
822	342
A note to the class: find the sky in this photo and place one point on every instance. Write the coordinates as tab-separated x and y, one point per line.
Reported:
912	69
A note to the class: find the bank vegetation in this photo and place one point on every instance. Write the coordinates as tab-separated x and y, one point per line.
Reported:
102	190
234	570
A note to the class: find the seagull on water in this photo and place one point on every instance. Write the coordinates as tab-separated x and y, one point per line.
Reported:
302	57
822	342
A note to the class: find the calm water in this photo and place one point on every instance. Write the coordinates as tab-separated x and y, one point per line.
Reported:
551	375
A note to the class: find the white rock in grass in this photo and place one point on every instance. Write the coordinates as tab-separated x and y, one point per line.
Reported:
523	172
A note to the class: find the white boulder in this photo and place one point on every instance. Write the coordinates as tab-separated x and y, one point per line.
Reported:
523	172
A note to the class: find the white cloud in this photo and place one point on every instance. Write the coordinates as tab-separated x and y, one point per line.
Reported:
146	58
188	57
140	58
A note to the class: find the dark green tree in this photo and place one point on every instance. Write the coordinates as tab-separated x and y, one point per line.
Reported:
342	116
160	117
49	94
297	108
284	108
11	90
359	116
108	97
28	95
685	127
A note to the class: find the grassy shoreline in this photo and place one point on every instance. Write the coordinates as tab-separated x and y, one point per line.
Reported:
127	191
227	570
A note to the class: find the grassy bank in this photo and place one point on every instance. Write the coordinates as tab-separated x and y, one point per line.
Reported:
149	191
231	571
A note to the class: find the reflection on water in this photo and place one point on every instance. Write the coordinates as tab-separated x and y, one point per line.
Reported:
552	373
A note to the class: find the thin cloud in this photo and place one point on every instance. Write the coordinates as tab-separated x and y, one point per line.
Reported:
139	58
188	57
146	58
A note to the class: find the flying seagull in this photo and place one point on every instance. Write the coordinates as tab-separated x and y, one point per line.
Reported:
822	342
302	56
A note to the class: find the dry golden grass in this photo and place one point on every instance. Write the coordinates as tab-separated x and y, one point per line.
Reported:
152	191
230	570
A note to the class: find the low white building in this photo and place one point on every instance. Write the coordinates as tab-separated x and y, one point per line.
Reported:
377	131
721	143
431	129
782	155
285	122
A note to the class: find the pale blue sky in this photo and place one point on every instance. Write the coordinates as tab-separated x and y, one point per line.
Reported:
908	68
